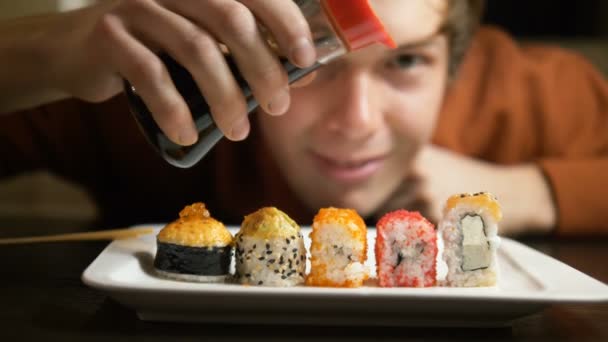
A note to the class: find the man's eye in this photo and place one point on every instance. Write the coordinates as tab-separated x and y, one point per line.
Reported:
406	61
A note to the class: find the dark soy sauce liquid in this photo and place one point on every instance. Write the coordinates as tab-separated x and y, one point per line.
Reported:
209	134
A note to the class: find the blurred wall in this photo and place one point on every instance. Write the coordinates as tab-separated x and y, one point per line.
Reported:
41	196
557	18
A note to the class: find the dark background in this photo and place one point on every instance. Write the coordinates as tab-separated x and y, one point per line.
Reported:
550	18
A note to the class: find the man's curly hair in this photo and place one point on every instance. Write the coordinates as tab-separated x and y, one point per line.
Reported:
462	20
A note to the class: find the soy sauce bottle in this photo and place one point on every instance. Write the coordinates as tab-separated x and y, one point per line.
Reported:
337	27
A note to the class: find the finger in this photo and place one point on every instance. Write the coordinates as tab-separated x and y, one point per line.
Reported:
288	26
150	78
304	81
200	53
235	26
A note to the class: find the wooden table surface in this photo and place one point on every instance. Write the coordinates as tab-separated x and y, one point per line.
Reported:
42	297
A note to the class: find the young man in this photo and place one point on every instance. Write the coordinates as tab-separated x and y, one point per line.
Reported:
375	130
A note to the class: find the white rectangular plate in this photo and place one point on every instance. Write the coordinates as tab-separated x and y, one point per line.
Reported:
528	282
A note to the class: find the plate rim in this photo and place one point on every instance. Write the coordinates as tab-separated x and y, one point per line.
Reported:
514	249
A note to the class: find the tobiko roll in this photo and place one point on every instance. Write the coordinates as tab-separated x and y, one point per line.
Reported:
406	250
338	249
469	229
195	247
270	250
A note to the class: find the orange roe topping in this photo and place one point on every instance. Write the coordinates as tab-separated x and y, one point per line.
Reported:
195	227
345	217
480	199
339	216
195	210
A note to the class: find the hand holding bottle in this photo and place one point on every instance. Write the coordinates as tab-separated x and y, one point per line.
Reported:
87	53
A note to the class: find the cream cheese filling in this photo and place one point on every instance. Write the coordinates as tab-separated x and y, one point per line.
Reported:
475	246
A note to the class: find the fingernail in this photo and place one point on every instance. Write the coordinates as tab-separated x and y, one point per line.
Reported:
240	129
280	103
304	81
187	136
303	53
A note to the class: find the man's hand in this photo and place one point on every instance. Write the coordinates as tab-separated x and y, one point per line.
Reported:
87	53
522	190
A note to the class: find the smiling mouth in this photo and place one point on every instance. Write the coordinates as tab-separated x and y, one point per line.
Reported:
348	171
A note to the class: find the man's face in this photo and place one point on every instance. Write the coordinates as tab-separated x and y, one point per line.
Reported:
350	136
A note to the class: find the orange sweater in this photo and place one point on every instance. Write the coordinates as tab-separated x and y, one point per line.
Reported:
533	104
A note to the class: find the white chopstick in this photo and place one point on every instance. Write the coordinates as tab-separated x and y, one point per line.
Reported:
113	234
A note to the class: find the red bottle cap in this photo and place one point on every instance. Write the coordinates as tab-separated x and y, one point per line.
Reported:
356	23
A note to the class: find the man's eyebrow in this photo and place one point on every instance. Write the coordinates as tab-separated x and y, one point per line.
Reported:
420	43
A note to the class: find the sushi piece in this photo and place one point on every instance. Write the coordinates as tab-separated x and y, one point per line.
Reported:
470	236
270	250
406	250
195	247
338	249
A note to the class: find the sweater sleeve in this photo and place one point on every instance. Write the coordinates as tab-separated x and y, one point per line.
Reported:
535	104
58	137
575	161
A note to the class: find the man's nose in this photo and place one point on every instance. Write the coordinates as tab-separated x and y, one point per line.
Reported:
352	113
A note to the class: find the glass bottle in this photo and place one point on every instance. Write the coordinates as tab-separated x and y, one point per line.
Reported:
337	27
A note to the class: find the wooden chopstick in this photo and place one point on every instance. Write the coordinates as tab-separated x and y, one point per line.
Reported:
113	234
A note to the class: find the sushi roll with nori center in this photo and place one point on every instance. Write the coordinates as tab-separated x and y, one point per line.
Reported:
195	247
405	250
338	249
469	230
269	250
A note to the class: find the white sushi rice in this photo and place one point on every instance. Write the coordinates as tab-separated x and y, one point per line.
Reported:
451	234
270	262
342	256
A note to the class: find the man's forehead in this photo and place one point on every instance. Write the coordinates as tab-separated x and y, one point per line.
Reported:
411	21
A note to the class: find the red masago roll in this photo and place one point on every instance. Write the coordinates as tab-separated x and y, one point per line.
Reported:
406	250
